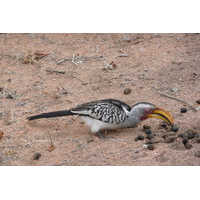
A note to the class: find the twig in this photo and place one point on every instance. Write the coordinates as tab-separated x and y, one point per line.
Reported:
80	146
35	141
52	147
84	58
135	150
48	55
73	60
12	116
105	68
92	56
74	118
123	56
184	159
50	138
171	97
54	71
196	77
62	61
97	49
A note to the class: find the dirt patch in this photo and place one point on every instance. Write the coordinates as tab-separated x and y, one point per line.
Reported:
49	72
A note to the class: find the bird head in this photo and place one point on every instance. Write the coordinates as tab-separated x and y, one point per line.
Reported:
147	110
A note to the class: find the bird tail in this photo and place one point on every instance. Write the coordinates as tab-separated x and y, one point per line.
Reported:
52	114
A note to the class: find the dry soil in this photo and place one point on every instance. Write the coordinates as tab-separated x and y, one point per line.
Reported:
49	72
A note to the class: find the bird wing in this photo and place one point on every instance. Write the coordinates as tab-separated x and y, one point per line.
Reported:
107	110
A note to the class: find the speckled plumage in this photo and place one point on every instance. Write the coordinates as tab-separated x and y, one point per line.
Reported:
108	110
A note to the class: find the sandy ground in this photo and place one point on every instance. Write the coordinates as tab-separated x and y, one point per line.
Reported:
79	68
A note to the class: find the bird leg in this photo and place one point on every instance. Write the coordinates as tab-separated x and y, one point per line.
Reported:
102	136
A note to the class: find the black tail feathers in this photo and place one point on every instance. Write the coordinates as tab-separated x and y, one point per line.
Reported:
51	114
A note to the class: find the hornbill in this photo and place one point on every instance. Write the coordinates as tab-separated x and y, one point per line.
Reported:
111	114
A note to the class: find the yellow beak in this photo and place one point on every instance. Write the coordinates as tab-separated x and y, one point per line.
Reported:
160	113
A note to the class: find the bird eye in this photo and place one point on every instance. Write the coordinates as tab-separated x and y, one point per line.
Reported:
148	111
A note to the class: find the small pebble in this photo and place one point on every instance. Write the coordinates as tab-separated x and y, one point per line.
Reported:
148	131
9	96
198	140
90	140
136	139
183	110
150	147
188	146
127	91
174	89
190	135
185	141
36	156
150	136
145	127
198	101
174	128
140	137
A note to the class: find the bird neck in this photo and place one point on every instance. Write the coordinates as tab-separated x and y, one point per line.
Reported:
136	111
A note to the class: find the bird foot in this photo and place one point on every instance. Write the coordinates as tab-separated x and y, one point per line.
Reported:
102	136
